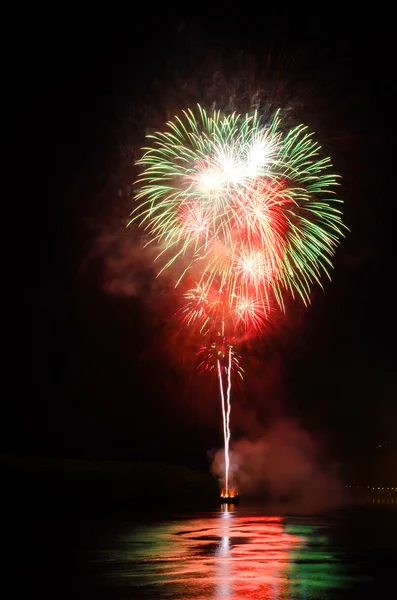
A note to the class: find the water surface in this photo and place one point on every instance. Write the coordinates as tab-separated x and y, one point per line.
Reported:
243	553
239	553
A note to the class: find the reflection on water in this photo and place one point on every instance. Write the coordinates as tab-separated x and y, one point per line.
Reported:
230	554
378	500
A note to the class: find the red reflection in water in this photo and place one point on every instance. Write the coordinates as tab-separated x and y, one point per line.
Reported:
227	557
256	569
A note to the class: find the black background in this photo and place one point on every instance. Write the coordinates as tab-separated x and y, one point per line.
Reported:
95	374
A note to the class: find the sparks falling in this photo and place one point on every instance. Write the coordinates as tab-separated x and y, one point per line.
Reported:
243	211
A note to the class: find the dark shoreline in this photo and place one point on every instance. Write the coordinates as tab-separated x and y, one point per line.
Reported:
43	485
53	483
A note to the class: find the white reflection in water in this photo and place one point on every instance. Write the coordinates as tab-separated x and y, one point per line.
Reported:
224	588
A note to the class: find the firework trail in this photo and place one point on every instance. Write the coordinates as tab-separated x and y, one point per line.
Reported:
244	213
227	442
226	410
226	428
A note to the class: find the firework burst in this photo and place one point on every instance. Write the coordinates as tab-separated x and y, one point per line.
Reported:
244	206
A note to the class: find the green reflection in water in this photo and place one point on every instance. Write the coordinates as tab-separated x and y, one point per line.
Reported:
317	567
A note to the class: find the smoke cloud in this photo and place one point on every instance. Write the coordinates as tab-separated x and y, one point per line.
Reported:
123	268
286	464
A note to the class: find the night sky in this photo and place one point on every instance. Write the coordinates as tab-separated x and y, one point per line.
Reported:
100	370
